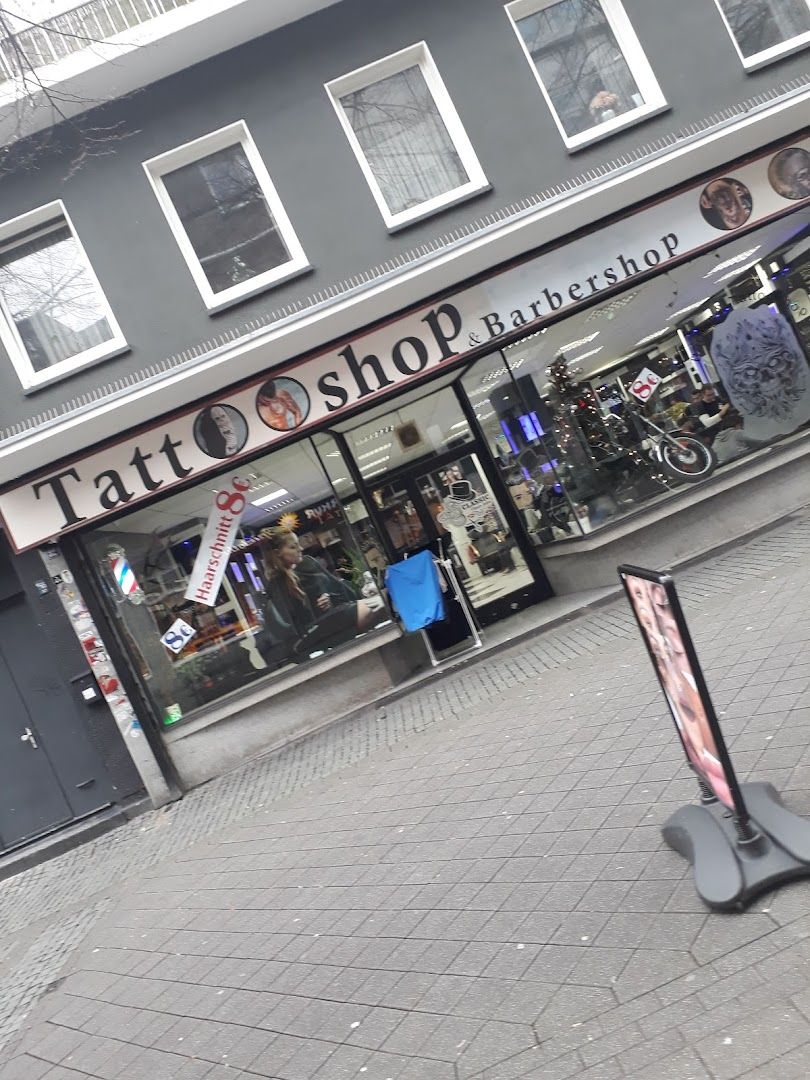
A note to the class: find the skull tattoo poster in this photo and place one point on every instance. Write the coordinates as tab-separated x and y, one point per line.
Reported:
764	371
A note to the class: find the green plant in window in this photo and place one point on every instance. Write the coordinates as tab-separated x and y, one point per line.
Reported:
358	568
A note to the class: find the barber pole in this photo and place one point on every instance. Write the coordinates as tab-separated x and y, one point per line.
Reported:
124	576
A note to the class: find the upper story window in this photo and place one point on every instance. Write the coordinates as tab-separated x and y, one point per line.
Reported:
54	318
226	216
764	30
589	64
407	136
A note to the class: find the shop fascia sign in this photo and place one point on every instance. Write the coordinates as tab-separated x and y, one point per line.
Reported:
309	392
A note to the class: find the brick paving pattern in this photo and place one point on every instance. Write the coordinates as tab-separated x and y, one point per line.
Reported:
467	884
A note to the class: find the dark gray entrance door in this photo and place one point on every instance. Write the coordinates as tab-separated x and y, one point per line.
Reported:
50	773
31	798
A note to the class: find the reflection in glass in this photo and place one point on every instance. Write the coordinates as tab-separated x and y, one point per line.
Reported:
226	218
367	559
472	530
296	584
401	519
726	341
758	25
518	428
51	295
404	139
580	64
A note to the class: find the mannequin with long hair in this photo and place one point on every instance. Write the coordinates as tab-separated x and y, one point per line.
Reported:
308	609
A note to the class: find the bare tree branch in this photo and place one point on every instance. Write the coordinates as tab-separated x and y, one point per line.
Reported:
82	133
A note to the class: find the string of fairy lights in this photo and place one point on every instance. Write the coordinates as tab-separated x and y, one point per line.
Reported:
576	401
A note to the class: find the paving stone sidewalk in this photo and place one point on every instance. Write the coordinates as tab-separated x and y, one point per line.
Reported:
470	883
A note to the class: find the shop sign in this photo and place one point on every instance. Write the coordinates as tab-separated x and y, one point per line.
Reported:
217	542
664	631
740	840
305	393
469	512
327	510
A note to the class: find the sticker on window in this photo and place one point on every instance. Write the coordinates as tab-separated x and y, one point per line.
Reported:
178	636
645	384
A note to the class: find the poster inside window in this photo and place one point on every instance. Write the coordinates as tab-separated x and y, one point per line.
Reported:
291	583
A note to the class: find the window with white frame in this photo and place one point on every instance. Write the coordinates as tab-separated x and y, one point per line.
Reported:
763	30
589	63
54	318
407	136
226	216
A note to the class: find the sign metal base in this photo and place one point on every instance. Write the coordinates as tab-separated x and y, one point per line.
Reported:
446	566
730	870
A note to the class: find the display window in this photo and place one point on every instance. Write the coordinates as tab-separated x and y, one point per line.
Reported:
584	418
298	580
568	430
426	476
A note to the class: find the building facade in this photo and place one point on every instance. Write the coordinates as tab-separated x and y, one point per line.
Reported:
358	279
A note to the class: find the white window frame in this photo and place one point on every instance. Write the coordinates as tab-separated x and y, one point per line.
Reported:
231	135
766	56
634	55
417	55
51	214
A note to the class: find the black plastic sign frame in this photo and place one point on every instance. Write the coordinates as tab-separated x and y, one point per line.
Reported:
655	605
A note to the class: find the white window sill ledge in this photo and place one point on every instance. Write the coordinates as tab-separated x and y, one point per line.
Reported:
47	378
454	198
777	52
221	301
613	127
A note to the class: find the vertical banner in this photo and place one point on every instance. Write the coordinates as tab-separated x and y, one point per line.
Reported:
663	628
217	541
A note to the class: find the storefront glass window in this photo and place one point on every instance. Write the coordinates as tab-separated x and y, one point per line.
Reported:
368	557
717	351
519	433
295	584
429	487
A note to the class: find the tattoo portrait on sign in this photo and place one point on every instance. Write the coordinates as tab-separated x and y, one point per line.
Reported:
726	203
220	431
789	173
282	403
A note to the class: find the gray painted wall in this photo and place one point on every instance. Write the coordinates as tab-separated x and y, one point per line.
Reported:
275	84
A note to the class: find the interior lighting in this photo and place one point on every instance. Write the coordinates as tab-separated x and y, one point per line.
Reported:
689	307
271	497
377	461
736	272
732	261
652	337
580	341
585	355
375	451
